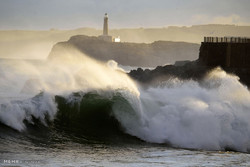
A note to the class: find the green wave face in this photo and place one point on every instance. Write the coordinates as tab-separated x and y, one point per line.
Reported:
90	114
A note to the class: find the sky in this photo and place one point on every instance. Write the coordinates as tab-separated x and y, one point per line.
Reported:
72	14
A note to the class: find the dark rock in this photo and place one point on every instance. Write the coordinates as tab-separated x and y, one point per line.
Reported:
235	60
192	70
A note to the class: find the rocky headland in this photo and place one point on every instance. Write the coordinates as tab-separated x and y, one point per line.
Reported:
128	54
233	57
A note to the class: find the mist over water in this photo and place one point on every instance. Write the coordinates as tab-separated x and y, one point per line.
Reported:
212	114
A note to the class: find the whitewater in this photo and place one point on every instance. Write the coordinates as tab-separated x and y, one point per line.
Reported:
76	99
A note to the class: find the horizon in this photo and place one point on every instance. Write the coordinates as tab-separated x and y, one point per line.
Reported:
121	28
62	14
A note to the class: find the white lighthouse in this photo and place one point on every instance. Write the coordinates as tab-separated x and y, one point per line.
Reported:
105	35
105	25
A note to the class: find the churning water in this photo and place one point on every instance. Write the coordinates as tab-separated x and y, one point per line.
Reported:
79	112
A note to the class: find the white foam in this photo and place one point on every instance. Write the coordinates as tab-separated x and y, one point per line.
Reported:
211	115
14	112
71	72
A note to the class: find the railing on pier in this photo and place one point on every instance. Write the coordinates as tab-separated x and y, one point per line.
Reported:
226	40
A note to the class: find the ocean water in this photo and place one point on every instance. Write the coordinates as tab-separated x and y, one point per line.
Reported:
77	111
75	153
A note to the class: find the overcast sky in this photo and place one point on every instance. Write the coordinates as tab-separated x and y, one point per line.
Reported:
71	14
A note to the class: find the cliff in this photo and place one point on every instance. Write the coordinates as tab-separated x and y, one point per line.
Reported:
37	44
231	56
193	70
132	54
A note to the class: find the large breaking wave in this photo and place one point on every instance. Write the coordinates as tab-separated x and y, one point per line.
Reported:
212	115
86	96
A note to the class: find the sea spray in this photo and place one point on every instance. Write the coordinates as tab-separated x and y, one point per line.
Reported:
212	114
72	72
13	113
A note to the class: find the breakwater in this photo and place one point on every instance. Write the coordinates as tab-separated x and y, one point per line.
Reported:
227	52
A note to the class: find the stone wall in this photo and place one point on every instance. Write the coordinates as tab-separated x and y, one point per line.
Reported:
225	54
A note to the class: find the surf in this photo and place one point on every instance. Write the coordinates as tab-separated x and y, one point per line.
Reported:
80	95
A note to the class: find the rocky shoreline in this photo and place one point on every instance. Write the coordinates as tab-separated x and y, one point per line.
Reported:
194	70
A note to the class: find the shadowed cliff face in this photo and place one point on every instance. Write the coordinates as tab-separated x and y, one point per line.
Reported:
192	70
231	57
132	54
158	54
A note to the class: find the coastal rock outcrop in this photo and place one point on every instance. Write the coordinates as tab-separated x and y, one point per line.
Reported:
233	57
131	54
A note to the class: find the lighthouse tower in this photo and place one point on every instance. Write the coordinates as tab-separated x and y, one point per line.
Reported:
105	25
105	35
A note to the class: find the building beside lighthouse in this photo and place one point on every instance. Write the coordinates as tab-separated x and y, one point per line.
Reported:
105	35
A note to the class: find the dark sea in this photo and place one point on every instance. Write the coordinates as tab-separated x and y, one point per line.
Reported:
77	111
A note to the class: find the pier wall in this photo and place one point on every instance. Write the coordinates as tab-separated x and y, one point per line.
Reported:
231	52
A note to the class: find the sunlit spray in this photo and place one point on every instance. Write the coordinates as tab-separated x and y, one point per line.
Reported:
211	115
73	72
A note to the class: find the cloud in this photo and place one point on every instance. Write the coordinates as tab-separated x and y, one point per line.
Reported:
230	19
65	14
